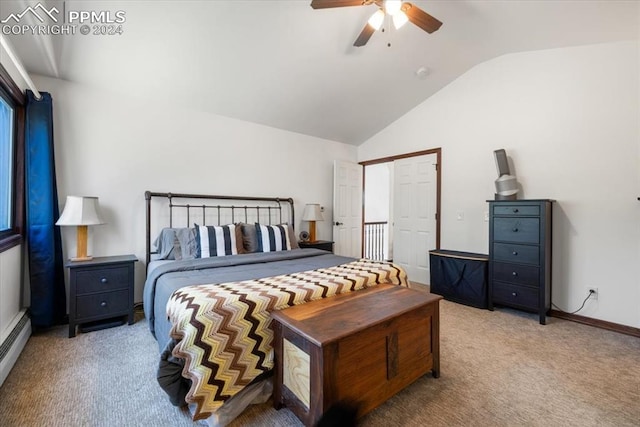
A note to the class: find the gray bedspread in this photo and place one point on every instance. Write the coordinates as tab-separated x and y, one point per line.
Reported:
166	279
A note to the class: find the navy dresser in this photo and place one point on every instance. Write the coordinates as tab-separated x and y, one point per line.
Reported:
520	255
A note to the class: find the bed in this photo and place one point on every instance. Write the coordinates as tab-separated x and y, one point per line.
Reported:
216	267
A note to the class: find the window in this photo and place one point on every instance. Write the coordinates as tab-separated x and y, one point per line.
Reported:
7	147
11	162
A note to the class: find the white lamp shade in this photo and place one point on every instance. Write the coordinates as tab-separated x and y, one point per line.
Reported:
312	212
80	210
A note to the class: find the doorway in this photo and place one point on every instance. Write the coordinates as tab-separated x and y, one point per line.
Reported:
401	210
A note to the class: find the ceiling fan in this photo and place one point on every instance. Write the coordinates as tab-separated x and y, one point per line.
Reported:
400	12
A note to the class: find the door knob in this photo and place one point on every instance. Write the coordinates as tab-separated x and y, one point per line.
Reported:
339	223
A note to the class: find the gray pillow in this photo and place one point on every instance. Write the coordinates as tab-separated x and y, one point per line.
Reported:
165	243
185	245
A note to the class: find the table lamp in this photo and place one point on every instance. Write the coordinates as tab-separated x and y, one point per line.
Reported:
312	214
81	211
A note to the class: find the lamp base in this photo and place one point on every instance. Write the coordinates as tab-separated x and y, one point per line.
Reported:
81	245
312	231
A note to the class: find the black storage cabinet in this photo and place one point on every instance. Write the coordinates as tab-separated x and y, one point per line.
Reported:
460	277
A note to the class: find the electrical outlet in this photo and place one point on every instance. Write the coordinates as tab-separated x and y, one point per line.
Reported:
593	293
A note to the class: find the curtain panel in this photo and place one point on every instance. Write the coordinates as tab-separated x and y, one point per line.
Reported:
46	269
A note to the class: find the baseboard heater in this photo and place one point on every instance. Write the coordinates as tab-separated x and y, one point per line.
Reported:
12	346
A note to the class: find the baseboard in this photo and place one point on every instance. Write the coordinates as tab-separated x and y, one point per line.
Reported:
602	324
12	346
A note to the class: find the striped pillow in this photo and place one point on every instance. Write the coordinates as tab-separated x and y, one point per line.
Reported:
212	240
272	238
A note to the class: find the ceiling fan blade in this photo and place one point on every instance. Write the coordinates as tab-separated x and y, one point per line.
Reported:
421	18
364	36
324	4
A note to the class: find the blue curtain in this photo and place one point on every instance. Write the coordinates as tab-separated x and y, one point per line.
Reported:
46	270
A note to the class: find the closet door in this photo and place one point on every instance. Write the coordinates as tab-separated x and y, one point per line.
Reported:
414	214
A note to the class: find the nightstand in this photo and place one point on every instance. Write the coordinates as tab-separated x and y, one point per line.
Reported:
325	245
100	291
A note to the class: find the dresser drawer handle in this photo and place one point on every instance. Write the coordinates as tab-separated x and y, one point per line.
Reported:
103	280
514	274
514	294
515	210
515	229
103	304
515	253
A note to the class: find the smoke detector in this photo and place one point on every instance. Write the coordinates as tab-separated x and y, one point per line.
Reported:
423	72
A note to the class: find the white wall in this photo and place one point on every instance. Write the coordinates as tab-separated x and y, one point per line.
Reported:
116	148
376	192
569	119
10	290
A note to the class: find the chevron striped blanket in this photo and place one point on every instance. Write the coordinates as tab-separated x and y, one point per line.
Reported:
223	333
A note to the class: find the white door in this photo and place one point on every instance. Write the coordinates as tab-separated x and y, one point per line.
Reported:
347	209
414	214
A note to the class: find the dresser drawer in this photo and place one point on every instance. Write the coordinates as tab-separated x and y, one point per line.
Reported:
523	254
102	279
513	295
520	210
102	305
518	230
516	273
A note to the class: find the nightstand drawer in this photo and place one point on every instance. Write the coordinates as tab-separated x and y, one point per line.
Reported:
513	295
102	279
102	305
516	253
516	273
520	210
518	230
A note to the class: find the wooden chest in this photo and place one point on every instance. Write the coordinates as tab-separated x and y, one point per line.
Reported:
361	347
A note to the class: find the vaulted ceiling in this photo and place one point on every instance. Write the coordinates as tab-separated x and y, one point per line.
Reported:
286	65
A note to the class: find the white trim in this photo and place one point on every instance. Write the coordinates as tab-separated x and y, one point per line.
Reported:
7	362
18	64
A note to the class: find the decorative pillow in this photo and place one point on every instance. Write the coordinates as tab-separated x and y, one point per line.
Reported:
272	238
239	239
249	238
213	240
292	238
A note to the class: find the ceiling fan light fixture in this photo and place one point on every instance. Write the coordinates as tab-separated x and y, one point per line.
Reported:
392	7
399	19
376	19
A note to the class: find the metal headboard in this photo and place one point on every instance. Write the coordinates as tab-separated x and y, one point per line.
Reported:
182	209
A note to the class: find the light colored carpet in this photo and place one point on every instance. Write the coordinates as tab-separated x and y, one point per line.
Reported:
498	368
